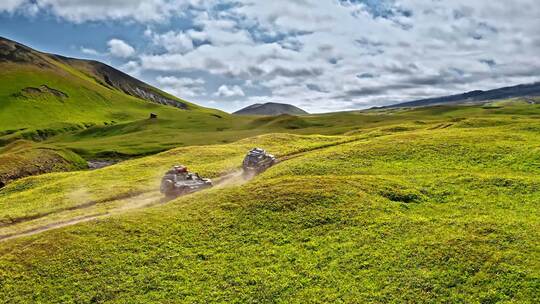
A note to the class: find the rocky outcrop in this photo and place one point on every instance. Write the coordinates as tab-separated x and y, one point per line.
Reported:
22	158
43	90
11	51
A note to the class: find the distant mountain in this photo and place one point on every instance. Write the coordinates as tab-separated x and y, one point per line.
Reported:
523	90
271	108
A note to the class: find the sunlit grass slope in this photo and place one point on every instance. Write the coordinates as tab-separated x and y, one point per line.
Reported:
24	199
42	95
418	212
85	101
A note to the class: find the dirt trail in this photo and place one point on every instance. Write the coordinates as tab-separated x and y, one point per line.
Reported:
290	156
51	226
148	199
235	178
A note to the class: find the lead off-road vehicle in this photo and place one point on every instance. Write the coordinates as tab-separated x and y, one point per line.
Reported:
179	181
257	161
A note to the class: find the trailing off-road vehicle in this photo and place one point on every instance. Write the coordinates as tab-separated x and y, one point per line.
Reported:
257	161
179	181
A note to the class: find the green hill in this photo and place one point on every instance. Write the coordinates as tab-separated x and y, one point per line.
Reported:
406	209
23	158
54	93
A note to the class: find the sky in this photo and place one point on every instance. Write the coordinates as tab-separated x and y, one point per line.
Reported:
320	55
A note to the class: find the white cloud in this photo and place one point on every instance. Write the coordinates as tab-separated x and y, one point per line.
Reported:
120	48
317	49
182	86
175	42
132	68
139	10
94	10
226	91
10	5
220	32
325	54
90	51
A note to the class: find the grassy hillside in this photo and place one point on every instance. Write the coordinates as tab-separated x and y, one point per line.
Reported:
43	95
84	102
405	209
99	112
46	118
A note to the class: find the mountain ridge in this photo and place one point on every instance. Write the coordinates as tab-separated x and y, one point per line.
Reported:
116	79
521	90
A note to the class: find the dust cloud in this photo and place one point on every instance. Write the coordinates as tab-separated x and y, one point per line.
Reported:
85	200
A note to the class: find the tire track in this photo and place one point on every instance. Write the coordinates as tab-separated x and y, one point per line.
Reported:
50	226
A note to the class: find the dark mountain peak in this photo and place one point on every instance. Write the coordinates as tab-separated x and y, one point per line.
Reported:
11	51
253	106
132	86
271	108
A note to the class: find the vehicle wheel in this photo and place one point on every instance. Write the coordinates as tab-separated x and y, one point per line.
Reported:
170	196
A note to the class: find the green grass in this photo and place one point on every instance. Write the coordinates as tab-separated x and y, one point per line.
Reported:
421	206
87	102
23	199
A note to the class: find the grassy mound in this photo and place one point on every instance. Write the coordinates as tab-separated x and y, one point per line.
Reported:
24	158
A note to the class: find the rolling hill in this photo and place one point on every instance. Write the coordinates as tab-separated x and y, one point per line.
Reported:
271	108
524	90
433	205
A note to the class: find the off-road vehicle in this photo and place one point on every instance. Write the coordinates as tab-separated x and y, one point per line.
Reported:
179	181
257	161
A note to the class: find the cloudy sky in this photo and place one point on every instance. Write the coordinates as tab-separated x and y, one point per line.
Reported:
321	55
